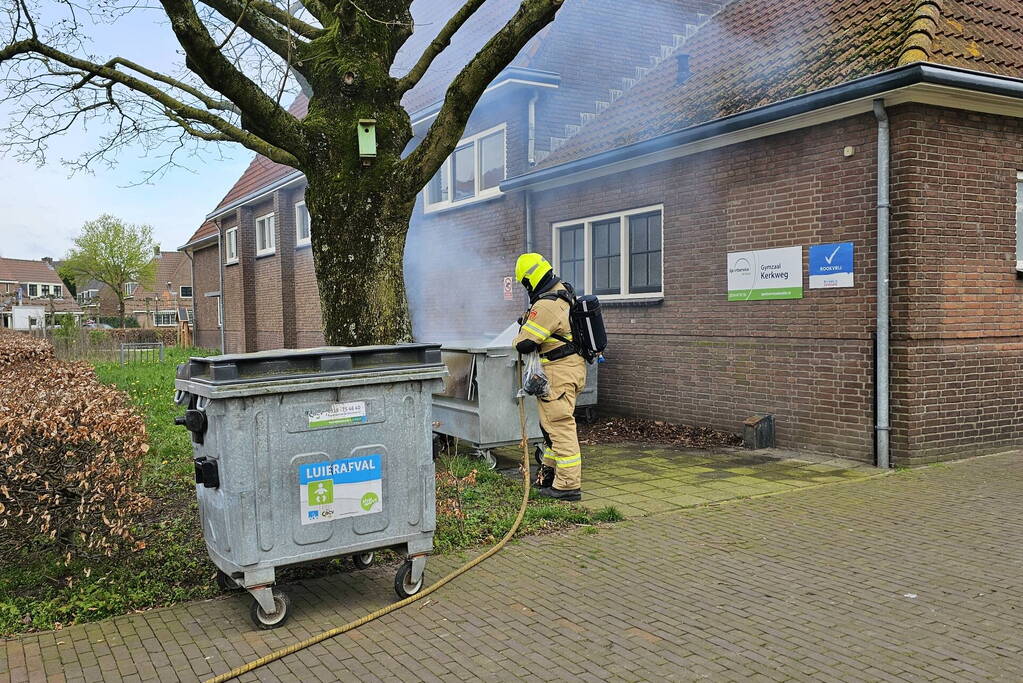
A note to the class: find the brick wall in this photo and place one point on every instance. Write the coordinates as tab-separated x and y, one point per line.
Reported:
695	357
957	344
207	279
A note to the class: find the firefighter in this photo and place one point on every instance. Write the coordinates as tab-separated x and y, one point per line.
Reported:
546	328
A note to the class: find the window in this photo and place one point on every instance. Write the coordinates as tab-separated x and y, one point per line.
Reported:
303	233
165	318
33	290
58	291
231	246
185	292
572	251
617	256
44	290
265	235
220	311
130	287
473	172
645	253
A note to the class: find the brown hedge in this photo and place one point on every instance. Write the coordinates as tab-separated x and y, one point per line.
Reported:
71	454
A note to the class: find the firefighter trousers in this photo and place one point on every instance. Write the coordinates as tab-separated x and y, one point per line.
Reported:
567	379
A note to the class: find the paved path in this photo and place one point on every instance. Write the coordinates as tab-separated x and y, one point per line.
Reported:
644	479
913	577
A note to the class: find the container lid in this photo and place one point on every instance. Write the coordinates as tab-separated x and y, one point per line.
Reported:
286	365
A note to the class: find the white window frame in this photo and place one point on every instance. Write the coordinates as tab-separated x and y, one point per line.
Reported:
266	249
58	291
130	288
171	312
231	246
181	294
220	311
299	210
623	232
446	168
28	290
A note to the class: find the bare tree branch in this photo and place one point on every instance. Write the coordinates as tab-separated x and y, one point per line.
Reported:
259	26
469	85
211	102
260	113
287	19
253	142
438	45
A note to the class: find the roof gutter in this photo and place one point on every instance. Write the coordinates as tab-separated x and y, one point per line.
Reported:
866	88
257	194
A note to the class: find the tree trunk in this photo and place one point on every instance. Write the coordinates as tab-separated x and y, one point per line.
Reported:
358	244
120	311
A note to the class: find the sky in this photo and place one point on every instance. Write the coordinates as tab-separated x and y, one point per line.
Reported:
42	209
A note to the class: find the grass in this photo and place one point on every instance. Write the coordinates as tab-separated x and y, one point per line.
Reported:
475	507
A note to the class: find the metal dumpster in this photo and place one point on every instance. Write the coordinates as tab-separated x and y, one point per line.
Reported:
304	455
478	404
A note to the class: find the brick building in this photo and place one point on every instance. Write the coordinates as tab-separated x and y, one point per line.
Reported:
885	134
32	290
158	303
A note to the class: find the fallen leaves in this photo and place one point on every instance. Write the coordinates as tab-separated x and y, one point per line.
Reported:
609	430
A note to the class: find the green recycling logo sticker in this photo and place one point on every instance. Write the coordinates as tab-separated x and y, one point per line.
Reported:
369	500
321	492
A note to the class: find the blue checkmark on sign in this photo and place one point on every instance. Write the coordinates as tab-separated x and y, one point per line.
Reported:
831	259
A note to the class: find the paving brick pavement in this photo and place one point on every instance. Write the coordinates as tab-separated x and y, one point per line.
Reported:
911	577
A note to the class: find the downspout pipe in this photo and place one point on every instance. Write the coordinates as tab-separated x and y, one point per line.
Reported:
529	222
881	369
531	156
221	313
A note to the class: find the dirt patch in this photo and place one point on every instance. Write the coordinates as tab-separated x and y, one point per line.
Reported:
617	429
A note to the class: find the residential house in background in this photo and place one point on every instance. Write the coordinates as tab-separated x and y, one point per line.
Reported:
164	302
733	180
32	292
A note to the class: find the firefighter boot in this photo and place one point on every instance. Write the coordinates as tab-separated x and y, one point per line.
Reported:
558	494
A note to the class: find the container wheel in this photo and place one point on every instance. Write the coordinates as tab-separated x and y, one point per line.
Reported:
362	560
225	582
488	458
589	414
265	621
403	585
538	455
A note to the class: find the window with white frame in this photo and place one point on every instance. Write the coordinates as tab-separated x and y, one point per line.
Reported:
33	290
231	246
265	235
184	292
44	290
303	233
615	256
473	172
130	287
58	291
165	318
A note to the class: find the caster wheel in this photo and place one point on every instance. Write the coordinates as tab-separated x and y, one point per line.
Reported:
488	458
538	455
403	585
265	621
362	560
225	582
589	415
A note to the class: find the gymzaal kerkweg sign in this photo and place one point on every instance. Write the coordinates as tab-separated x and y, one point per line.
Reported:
765	274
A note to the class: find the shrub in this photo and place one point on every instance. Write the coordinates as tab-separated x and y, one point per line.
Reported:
71	454
114	321
16	347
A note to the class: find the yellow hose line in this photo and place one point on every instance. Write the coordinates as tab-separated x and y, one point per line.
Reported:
291	649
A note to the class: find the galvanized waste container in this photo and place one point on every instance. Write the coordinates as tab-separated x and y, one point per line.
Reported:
479	402
304	455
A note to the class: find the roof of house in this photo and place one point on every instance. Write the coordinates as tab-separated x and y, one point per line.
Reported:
23	270
757	52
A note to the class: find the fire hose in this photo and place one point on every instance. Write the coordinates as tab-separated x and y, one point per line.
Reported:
394	607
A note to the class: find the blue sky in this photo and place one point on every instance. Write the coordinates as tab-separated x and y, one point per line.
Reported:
42	209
